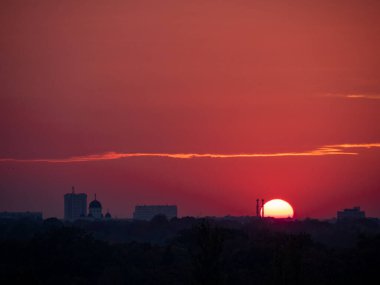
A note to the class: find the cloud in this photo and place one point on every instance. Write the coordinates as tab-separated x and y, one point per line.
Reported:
327	150
363	96
363	145
354	96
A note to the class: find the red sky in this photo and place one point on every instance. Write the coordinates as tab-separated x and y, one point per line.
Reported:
85	78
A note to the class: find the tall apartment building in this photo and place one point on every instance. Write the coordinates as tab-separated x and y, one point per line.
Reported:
75	205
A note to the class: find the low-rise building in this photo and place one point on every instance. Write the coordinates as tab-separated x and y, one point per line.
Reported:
37	216
147	212
351	214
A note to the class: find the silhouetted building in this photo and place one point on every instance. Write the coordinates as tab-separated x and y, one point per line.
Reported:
75	205
108	216
351	214
37	216
147	212
95	209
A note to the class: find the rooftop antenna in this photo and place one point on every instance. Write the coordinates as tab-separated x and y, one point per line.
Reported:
260	208
95	196
73	189
257	208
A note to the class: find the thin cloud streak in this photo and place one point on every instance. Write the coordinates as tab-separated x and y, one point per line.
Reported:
355	96
363	145
328	150
363	96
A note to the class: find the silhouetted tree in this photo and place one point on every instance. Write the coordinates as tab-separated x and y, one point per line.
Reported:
207	254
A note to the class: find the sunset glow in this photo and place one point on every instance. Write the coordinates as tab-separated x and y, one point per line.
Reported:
202	104
145	141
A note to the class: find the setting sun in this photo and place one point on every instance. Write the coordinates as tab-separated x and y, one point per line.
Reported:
278	208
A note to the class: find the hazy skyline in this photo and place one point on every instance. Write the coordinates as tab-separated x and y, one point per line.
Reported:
273	99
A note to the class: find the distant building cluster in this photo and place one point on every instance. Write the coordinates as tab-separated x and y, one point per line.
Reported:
75	207
36	216
351	214
147	212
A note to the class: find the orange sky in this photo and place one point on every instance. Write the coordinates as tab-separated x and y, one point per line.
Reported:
88	78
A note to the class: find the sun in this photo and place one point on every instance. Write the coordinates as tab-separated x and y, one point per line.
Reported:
278	208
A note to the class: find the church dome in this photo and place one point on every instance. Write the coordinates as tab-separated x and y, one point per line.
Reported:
95	204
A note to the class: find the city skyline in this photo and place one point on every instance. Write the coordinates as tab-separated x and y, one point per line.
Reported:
75	208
